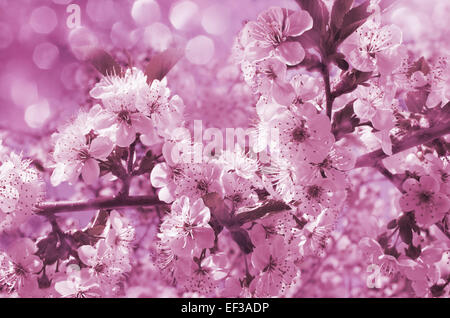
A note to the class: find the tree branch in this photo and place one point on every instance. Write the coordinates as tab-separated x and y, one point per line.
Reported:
49	208
269	207
420	137
396	179
329	98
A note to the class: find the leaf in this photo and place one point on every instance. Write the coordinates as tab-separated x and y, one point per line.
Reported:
405	230
241	237
162	63
413	252
361	77
344	121
420	65
98	223
318	11
392	224
416	100
101	218
353	19
95	230
339	60
383	240
105	63
339	10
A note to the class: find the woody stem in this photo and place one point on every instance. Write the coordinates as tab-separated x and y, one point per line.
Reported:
49	208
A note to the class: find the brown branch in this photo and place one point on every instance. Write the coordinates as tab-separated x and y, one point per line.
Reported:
396	179
420	137
272	206
49	208
328	96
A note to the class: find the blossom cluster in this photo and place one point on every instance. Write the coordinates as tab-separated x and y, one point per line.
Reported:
290	208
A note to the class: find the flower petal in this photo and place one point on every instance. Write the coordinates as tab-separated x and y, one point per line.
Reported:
90	171
298	22
291	53
101	147
125	135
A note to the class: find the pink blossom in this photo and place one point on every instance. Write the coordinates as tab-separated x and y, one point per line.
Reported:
275	270
304	135
122	97
79	285
186	228
270	35
423	197
369	48
21	188
78	149
18	266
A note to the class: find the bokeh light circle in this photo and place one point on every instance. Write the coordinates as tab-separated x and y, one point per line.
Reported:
37	114
100	10
45	55
123	36
82	41
215	19
145	12
23	92
183	14
157	36
200	50
43	20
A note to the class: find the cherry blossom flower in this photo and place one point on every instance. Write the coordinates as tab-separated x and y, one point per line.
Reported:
304	134
120	235
423	276
268	77
320	194
205	275
79	284
165	111
239	162
440	170
275	268
423	197
238	190
104	263
186	228
21	188
306	88
196	180
439	82
316	235
374	253
122	97
78	149
18	265
369	48
270	35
